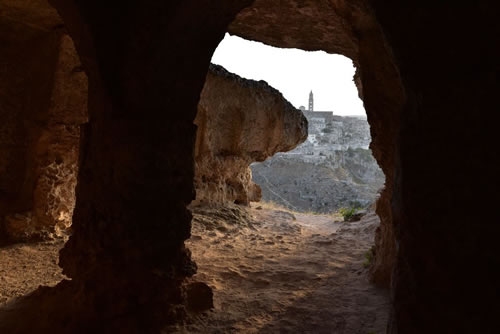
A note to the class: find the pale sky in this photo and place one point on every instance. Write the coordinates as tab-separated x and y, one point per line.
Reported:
295	73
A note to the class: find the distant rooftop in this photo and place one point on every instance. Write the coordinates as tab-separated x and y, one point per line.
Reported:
324	114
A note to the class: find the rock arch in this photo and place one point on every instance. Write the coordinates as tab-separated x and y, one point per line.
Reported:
146	63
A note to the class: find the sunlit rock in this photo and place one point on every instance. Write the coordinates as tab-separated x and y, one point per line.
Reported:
239	121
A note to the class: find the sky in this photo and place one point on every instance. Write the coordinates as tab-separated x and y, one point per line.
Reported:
295	73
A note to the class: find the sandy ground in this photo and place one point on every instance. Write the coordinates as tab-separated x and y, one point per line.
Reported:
271	272
24	267
277	272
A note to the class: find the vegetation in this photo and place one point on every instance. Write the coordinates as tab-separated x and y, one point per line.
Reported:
347	213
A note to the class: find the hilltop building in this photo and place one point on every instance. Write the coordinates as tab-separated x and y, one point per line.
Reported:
329	132
317	119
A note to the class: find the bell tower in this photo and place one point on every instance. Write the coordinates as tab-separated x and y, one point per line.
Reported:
311	101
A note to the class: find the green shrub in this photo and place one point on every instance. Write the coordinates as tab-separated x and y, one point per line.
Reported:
347	213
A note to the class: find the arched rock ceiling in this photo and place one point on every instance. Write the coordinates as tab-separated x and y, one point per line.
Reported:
333	26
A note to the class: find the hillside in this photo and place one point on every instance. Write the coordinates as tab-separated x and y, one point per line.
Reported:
333	168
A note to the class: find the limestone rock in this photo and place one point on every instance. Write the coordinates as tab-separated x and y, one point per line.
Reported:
40	131
199	297
239	121
19	226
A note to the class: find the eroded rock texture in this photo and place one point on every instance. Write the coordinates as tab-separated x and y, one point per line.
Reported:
239	122
43	102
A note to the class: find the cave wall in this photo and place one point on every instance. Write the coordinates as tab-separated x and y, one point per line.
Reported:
445	172
239	121
42	105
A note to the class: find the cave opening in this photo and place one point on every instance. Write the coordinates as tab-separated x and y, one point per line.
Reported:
284	217
426	96
334	167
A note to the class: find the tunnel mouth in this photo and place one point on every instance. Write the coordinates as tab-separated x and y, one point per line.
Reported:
339	138
250	243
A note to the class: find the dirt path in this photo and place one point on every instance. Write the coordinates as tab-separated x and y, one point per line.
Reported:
271	272
281	273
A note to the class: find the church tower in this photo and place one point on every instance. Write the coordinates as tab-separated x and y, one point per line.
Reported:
311	101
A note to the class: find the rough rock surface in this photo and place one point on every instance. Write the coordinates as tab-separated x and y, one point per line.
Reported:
26	266
239	121
43	102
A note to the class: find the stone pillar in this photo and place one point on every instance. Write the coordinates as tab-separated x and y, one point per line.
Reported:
146	62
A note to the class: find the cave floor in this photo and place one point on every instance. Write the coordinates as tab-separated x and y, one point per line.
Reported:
271	271
278	272
24	267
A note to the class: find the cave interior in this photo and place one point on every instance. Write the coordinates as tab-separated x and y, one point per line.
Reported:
104	97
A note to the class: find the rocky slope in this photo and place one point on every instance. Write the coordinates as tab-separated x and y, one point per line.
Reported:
334	168
239	122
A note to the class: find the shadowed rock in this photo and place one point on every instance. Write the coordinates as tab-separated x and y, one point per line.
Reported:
43	102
